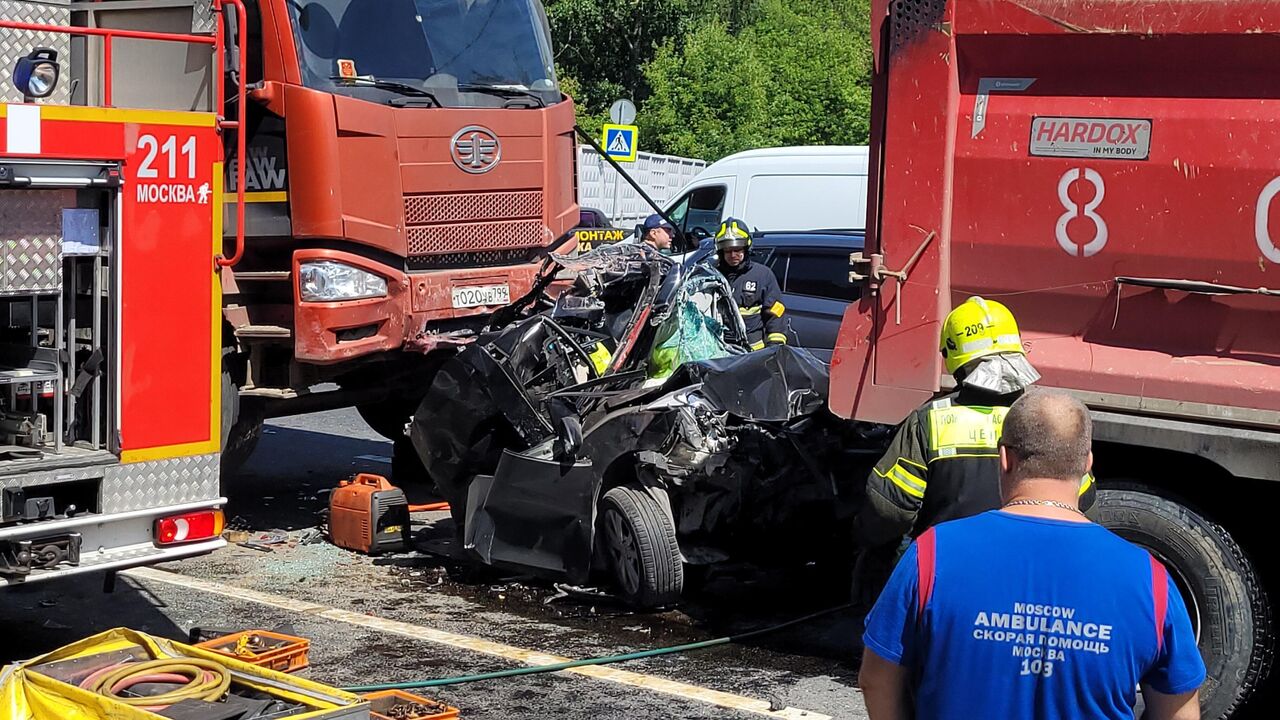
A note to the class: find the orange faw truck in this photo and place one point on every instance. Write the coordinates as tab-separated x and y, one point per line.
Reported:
407	161
1110	171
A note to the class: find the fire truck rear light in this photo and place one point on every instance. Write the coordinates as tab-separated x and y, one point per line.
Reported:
189	527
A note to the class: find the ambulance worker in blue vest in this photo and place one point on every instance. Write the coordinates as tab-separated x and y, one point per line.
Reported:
1031	611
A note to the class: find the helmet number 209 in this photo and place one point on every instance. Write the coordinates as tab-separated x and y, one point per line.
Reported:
1087	210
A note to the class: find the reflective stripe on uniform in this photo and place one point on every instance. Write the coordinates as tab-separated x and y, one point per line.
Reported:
965	426
749	311
777	309
1086	482
907	481
777	338
757	345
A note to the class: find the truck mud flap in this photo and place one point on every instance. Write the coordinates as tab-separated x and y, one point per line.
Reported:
534	513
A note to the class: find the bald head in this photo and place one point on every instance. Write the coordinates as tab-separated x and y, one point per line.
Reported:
1048	435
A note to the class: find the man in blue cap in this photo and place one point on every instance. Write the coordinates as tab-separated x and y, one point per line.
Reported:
657	233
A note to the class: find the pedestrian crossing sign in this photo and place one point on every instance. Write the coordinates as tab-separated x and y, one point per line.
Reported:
620	142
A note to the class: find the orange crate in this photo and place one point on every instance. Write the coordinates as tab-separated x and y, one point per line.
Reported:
271	650
384	702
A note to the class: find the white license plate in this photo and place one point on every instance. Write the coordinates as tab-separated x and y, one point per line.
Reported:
465	297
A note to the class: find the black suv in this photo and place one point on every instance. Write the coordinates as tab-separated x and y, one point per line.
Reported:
813	271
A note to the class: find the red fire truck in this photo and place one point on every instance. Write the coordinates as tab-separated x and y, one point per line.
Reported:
408	161
1109	171
110	309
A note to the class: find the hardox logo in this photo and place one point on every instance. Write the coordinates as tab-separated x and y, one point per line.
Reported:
475	149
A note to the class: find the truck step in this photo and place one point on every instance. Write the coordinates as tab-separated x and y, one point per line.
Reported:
272	332
269	392
264	275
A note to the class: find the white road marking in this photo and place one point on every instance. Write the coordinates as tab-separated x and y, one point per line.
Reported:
375	458
480	645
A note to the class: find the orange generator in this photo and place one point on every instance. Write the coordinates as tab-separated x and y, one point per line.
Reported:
369	515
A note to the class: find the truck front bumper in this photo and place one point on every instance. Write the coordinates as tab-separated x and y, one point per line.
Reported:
331	332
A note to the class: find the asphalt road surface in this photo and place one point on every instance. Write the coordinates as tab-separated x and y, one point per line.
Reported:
421	615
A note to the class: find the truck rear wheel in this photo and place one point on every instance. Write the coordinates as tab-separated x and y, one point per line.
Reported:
1218	583
408	383
241	418
388	417
640	547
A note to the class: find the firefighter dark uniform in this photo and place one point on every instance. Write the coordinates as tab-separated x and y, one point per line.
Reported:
755	287
944	462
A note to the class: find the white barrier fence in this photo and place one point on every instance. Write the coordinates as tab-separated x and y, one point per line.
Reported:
661	176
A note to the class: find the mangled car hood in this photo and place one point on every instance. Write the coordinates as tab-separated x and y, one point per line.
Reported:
637	372
776	384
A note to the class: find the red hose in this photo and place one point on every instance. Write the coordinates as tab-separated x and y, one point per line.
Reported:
429	507
171	678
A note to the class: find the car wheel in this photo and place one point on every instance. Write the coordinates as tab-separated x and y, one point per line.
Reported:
640	548
1217	581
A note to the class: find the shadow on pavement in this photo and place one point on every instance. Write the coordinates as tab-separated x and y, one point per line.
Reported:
47	615
286	482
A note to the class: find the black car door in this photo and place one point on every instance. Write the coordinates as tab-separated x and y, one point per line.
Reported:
816	290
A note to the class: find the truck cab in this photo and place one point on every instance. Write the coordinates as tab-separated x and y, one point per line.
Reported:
406	166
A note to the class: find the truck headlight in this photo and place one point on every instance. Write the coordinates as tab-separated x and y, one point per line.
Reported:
329	281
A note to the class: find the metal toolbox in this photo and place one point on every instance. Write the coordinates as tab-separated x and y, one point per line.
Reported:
48	687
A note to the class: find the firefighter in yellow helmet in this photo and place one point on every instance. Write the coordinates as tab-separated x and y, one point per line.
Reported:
755	287
944	461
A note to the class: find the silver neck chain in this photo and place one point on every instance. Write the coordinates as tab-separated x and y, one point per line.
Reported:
1044	503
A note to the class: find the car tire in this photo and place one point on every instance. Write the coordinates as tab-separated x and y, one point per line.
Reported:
639	542
1218	582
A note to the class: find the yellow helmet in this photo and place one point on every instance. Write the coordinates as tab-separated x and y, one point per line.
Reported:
978	328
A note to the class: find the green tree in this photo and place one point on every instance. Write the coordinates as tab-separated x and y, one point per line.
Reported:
603	45
798	74
709	97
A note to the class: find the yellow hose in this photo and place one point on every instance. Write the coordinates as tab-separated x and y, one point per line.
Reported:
208	681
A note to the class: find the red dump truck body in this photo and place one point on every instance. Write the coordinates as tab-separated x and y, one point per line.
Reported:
1110	171
1056	148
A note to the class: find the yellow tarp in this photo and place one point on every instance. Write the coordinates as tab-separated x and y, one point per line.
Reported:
27	694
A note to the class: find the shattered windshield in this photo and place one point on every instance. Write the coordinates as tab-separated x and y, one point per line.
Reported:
698	323
462	53
624	288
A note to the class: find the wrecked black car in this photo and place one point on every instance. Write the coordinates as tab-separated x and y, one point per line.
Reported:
620	429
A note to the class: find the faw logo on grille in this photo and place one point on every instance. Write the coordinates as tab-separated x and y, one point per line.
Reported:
476	149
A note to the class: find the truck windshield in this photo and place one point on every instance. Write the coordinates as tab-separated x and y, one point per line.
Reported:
462	53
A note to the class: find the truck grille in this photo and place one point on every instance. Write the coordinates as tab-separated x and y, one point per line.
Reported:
472	222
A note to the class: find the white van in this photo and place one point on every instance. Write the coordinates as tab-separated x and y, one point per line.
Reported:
785	188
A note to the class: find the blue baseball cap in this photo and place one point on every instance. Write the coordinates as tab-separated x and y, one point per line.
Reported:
655	221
